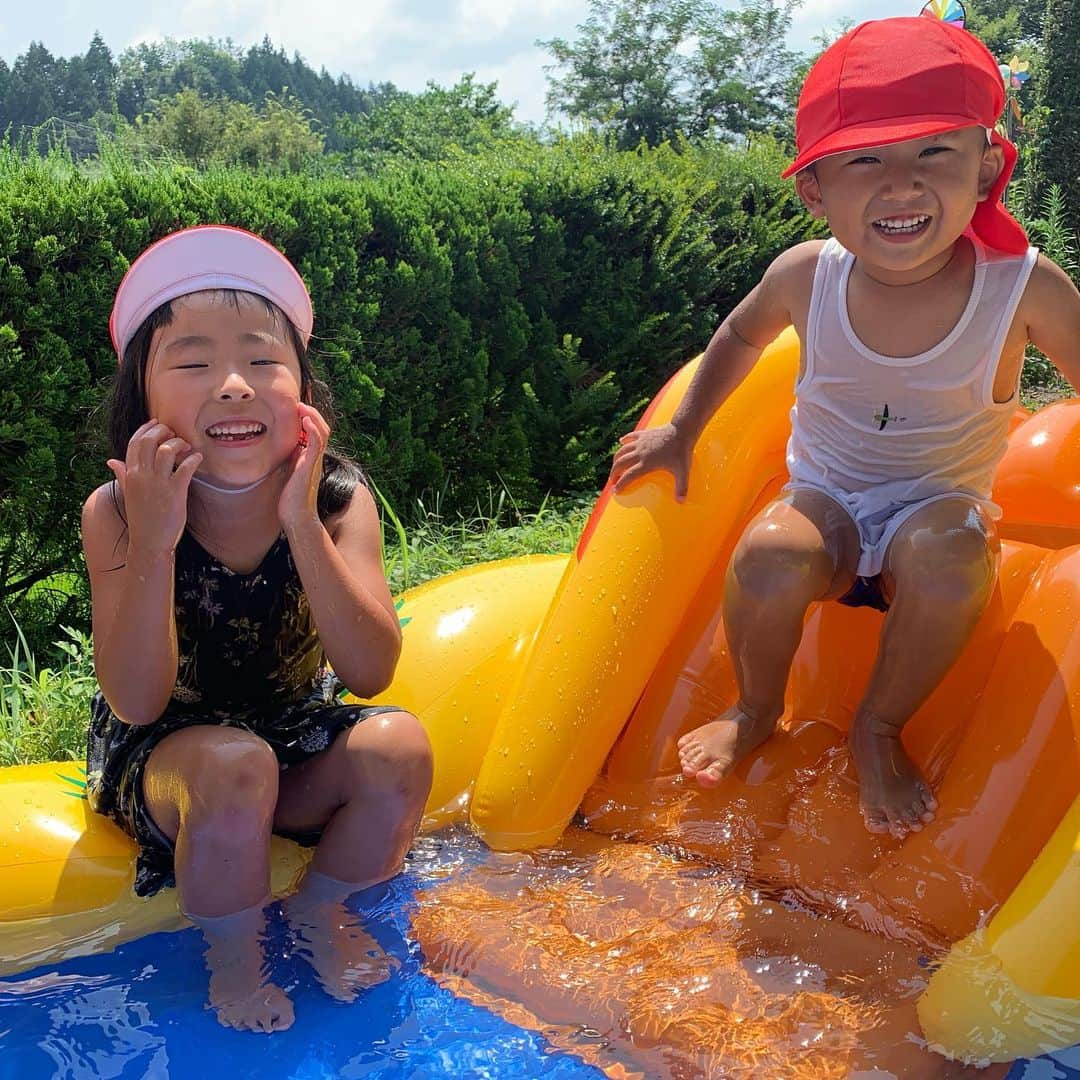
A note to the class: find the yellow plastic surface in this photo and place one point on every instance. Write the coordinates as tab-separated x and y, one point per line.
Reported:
465	640
1011	989
638	567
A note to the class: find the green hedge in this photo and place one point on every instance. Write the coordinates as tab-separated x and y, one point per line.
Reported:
492	320
1059	152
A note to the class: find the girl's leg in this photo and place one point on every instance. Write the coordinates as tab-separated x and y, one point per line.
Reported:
367	792
939	573
212	791
801	548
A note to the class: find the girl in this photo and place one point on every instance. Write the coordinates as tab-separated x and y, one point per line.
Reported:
232	558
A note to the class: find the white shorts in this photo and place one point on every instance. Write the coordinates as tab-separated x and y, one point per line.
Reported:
877	525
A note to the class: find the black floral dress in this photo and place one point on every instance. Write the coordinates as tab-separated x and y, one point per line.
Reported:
249	657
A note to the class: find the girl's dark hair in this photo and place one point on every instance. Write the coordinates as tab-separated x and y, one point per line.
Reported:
127	408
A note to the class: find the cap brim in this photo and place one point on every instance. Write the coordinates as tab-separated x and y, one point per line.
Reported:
879	133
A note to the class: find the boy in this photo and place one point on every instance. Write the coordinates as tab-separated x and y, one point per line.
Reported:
913	320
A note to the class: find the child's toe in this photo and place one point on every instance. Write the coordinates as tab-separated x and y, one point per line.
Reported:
900	824
710	776
693	756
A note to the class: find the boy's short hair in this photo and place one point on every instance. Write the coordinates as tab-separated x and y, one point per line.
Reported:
891	80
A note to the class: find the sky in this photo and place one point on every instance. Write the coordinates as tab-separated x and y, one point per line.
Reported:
406	42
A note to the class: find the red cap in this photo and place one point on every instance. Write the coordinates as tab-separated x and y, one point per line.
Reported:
891	80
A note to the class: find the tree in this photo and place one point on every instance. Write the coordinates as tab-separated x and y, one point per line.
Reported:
624	73
101	74
96	88
279	136
741	71
220	132
1059	149
647	69
466	117
33	88
1006	26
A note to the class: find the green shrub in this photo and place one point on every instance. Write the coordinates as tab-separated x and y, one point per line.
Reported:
1059	82
492	320
44	711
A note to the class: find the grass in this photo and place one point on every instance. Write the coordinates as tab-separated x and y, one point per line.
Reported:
434	545
44	708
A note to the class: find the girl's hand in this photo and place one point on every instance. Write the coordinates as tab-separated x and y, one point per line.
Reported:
299	497
154	479
645	451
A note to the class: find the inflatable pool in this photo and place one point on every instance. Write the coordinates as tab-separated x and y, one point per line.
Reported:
554	690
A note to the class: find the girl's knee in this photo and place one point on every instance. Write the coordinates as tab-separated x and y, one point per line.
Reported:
233	777
391	753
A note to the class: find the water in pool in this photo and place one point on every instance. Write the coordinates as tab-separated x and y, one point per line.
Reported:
594	960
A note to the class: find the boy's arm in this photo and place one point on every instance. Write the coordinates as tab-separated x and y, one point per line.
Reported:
728	358
738	342
1052	310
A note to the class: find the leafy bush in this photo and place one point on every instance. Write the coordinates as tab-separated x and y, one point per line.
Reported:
1059	150
44	710
487	320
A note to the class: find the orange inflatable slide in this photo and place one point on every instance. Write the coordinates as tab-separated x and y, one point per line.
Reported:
631	654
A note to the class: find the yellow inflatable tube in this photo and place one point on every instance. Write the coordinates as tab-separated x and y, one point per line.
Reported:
639	563
1012	989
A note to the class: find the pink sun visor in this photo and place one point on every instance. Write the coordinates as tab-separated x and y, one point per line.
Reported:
203	258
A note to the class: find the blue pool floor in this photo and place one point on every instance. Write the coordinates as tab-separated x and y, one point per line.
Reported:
139	1012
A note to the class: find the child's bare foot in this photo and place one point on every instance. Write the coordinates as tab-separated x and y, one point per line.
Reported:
893	796
346	958
239	990
710	752
265	1009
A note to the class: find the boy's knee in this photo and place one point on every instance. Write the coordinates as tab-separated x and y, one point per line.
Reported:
771	564
958	565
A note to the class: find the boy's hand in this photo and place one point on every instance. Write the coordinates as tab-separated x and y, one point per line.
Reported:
299	497
154	479
645	451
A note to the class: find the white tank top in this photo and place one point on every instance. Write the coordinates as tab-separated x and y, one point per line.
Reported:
891	430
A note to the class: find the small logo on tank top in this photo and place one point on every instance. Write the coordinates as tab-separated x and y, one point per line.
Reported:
882	419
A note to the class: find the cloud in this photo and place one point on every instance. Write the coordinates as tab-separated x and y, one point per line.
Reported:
488	19
815	16
521	82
